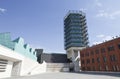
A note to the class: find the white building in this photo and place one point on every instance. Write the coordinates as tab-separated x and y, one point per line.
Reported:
17	58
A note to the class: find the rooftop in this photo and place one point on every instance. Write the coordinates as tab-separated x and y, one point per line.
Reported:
75	12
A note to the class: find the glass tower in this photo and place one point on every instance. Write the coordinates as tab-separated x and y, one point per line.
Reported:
75	30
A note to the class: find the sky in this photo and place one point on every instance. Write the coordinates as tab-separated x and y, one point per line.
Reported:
40	22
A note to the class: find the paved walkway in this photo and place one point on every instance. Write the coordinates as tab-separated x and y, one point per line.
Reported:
68	76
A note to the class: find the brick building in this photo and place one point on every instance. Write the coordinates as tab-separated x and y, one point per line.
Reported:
101	57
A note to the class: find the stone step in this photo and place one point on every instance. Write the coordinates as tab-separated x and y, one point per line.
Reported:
57	67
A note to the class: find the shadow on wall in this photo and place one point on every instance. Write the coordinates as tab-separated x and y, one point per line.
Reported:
59	58
39	53
51	58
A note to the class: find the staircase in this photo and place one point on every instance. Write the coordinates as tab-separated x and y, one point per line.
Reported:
57	67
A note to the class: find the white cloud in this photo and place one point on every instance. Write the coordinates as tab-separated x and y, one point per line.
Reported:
109	15
102	38
98	42
2	10
115	14
98	3
105	12
107	38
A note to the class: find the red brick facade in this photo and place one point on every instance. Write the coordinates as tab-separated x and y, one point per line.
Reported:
101	57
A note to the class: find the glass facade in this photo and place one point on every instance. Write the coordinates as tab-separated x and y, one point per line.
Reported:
75	30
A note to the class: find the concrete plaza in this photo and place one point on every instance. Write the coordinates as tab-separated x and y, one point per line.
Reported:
63	75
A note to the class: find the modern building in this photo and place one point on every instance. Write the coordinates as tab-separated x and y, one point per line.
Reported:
17	45
101	57
75	35
17	58
55	61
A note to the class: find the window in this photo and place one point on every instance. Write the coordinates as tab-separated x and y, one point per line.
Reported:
30	49
106	68
117	68
111	48
100	68
93	61
82	55
3	64
114	68
119	45
102	50
87	54
92	53
113	58
82	62
98	59
104	59
97	51
88	61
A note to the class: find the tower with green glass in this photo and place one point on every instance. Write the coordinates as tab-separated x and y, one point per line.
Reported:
75	34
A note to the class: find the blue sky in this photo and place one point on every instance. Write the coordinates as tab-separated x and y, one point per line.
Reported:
40	22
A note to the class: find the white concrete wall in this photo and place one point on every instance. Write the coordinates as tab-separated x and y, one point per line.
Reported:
21	65
16	68
11	56
8	54
29	66
7	73
41	68
73	53
26	66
